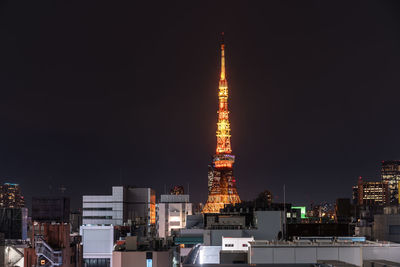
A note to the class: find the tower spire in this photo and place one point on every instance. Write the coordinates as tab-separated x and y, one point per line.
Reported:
223	125
222	57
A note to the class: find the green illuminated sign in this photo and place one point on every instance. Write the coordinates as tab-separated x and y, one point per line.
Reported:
302	211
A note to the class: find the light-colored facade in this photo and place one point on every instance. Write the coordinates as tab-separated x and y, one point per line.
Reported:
236	243
98	244
356	253
126	204
344	253
172	212
268	226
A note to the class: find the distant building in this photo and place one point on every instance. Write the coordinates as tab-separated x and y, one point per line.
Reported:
52	245
51	209
177	190
354	195
75	219
390	173
373	193
11	196
125	205
172	212
343	210
386	227
13	223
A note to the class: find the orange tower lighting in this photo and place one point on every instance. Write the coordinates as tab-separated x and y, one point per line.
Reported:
223	190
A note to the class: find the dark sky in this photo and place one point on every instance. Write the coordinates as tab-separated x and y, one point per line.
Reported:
96	93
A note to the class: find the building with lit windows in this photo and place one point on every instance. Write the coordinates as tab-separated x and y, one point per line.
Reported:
125	205
172	212
373	193
11	196
390	173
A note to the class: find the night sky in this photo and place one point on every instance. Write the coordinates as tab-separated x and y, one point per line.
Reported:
96	94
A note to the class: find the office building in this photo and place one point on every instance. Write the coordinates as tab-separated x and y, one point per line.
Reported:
14	223
50	209
11	196
172	212
390	173
373	193
354	195
125	205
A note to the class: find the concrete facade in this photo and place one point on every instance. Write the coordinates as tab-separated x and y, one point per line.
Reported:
264	252
386	227
123	205
98	242
141	258
172	212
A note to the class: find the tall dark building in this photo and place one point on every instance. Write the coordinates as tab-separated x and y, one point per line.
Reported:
10	196
354	196
390	172
50	209
13	222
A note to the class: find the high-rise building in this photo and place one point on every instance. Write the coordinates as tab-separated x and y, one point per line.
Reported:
137	205
50	209
14	223
354	195
10	196
373	193
390	172
223	189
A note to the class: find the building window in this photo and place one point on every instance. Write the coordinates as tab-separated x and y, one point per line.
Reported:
394	229
97	217
97	208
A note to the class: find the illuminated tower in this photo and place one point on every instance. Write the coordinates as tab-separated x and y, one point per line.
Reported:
223	187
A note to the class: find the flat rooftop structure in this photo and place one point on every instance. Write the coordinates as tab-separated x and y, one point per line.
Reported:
323	242
348	251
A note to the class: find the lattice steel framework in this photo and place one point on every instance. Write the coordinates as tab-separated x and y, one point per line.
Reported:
223	189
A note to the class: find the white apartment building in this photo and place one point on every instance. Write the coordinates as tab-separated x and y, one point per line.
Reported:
98	244
123	205
171	213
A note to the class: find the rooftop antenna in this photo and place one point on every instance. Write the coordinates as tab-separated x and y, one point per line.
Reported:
284	211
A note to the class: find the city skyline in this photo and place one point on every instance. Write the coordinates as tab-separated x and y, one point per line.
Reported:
129	96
